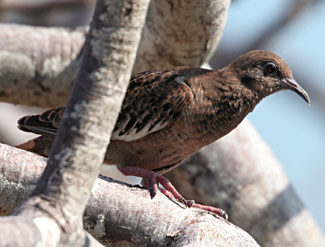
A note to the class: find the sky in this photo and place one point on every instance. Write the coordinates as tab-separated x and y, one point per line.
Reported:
294	130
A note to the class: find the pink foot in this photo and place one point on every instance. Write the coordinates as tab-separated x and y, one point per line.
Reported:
151	180
217	211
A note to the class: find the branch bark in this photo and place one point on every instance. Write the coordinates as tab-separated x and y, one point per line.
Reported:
35	7
38	65
40	71
53	215
119	213
181	32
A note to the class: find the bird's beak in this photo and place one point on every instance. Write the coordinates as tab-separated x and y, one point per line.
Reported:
291	84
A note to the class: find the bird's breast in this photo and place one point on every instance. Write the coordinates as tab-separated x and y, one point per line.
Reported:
215	119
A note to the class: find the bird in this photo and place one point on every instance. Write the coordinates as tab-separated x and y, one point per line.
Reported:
168	115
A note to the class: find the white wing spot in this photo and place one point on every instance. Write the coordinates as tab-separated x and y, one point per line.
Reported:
131	135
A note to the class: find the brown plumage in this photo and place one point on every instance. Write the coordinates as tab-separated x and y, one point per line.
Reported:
169	115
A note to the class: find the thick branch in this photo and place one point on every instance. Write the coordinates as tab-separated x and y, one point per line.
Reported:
64	188
38	65
181	33
94	104
35	7
126	213
40	70
240	174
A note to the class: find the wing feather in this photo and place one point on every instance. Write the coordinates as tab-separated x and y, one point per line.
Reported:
153	101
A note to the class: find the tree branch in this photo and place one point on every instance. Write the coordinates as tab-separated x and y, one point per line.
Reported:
55	210
120	212
181	32
40	71
36	7
38	65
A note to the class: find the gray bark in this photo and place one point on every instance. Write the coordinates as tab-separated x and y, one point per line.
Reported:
53	215
181	32
40	70
38	65
119	214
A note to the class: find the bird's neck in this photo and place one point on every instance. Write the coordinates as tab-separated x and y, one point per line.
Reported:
222	106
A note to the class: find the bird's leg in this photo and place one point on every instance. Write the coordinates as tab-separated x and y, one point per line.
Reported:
167	193
146	184
151	180
217	211
170	190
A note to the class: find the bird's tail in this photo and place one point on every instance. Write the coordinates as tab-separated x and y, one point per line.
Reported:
39	145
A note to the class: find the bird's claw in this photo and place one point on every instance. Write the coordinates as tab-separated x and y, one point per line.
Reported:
152	181
223	214
188	203
152	192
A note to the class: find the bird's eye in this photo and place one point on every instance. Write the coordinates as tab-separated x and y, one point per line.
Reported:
270	68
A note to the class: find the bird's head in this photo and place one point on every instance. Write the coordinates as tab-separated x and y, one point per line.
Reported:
264	73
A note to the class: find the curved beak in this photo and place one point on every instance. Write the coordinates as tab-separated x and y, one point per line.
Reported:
291	84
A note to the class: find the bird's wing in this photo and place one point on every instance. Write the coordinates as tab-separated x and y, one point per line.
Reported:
46	123
153	101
